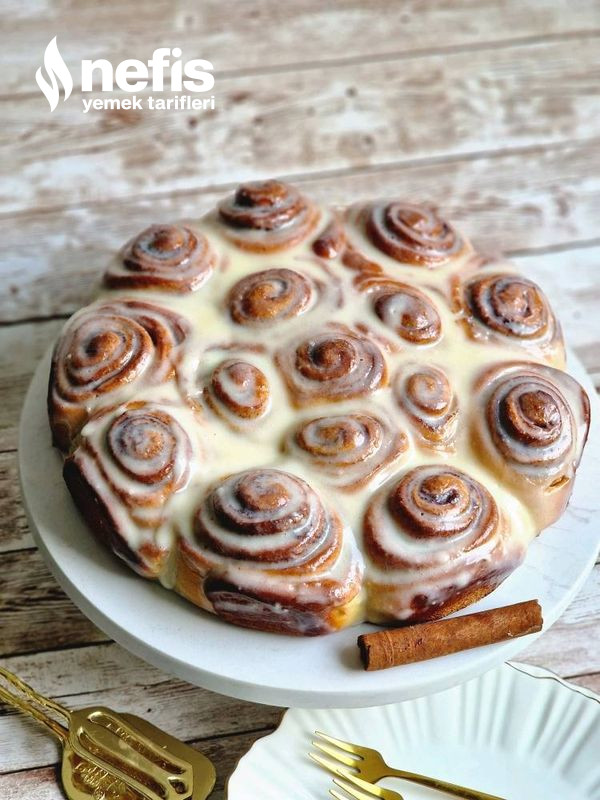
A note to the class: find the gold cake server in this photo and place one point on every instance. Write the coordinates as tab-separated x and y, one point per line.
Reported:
113	755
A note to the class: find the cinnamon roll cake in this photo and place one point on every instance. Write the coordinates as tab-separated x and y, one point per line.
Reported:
300	418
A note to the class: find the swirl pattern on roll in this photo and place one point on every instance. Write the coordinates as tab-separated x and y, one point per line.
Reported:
531	423
104	350
349	449
435	541
412	234
123	473
404	309
265	216
424	392
334	364
270	554
169	257
238	392
270	296
510	308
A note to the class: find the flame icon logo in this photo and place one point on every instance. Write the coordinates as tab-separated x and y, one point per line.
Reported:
56	70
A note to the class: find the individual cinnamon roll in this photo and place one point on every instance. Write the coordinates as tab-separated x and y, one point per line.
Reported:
272	295
122	475
266	553
349	449
264	216
510	309
102	352
169	257
403	308
426	395
238	392
413	234
530	423
435	542
331	365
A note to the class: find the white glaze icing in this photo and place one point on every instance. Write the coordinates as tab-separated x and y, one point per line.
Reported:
336	303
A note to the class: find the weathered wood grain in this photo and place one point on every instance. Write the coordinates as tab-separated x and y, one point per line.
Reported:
263	37
570	647
42	784
541	198
108	675
35	614
303	122
21	347
14	534
588	681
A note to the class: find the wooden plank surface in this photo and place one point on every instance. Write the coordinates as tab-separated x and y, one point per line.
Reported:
517	202
491	109
41	784
357	115
114	678
242	37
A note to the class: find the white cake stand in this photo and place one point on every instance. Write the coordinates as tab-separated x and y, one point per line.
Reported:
175	636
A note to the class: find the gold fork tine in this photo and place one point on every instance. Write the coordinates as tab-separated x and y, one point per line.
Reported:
335	754
328	765
356	793
347	746
364	790
337	795
371	766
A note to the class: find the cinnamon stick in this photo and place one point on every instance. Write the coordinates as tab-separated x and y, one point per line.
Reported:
390	648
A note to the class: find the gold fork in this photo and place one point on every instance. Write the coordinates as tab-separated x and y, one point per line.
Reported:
369	765
361	790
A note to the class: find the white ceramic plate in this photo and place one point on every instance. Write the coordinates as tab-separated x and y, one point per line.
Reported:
518	732
175	636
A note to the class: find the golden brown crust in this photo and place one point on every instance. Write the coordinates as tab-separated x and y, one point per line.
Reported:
97	512
330	243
